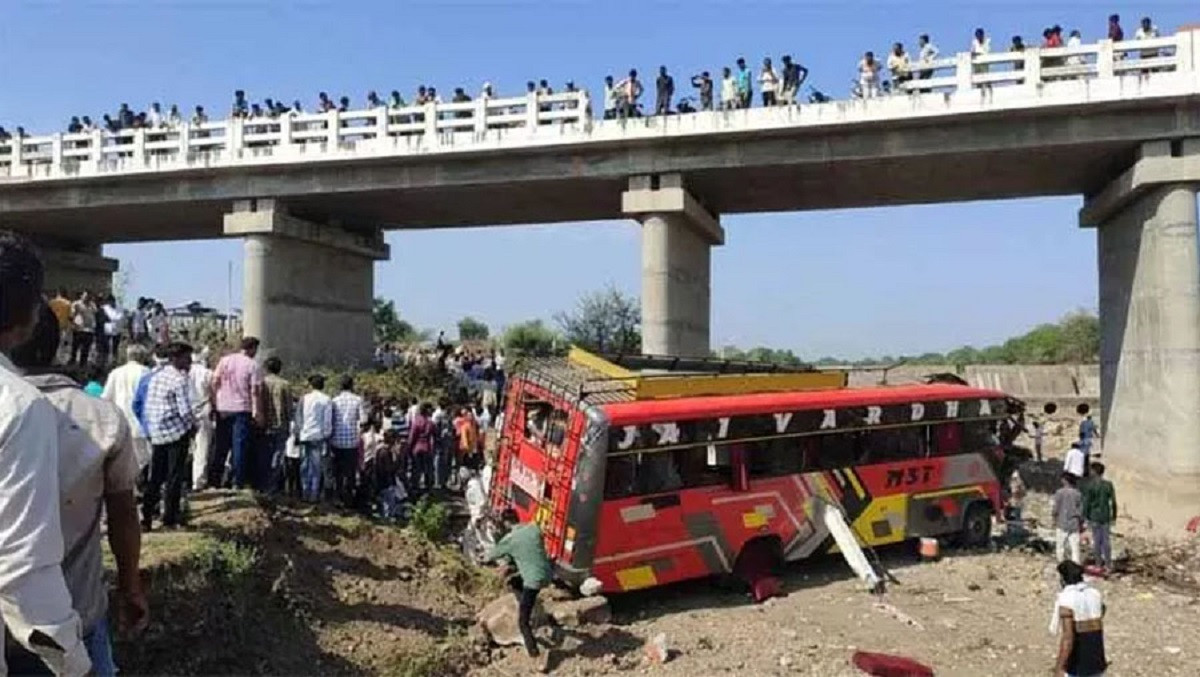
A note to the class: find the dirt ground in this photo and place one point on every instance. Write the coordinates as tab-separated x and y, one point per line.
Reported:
259	588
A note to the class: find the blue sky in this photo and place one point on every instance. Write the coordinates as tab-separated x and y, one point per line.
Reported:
849	283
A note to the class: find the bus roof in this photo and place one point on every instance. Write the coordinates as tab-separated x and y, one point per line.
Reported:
687	409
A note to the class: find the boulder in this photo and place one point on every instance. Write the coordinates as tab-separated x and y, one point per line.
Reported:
498	620
576	612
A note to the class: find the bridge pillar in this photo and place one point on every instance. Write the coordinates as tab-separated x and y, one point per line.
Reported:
677	238
1149	269
307	288
76	267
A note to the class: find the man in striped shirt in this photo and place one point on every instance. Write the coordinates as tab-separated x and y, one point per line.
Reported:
349	413
170	422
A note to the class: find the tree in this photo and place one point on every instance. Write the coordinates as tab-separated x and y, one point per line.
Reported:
470	329
531	339
1080	337
389	328
606	321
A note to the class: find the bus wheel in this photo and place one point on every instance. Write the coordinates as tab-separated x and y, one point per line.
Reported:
977	526
758	566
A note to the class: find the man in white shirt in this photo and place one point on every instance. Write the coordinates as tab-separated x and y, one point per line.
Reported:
1074	461
1147	31
200	377
97	473
1078	620
313	428
35	603
927	53
120	388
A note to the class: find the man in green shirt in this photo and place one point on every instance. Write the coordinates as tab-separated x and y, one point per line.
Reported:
1100	509
522	544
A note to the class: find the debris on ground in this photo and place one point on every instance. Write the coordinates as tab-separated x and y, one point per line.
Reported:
885	665
656	650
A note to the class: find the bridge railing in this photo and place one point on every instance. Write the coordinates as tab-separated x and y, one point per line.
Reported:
380	130
488	122
1035	66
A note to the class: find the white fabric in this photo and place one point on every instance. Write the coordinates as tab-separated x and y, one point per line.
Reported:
1066	546
314	417
200	378
33	592
1073	463
120	388
1085	602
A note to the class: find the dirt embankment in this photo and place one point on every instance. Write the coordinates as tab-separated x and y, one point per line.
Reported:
259	588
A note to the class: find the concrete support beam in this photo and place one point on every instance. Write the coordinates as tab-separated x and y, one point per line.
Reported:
1158	163
1150	349
307	288
677	239
77	267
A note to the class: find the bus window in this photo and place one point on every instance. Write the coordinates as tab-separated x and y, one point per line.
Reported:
619	476
657	473
537	416
838	450
556	431
947	439
979	436
896	444
773	458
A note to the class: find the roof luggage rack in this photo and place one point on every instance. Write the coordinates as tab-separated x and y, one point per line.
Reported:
597	379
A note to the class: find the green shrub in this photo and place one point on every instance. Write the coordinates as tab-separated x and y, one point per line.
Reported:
430	519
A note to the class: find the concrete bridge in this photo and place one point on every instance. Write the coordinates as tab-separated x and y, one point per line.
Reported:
1118	123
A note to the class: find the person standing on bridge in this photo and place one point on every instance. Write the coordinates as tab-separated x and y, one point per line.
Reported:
768	83
927	53
729	90
1115	32
664	87
240	107
744	88
868	76
704	85
631	93
981	44
237	391
898	66
794	76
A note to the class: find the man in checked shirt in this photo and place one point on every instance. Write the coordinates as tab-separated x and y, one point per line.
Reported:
170	421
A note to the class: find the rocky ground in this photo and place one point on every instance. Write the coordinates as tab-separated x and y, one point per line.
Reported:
260	588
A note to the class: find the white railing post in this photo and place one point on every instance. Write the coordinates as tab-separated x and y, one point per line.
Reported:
480	115
1105	59
381	124
139	147
1033	69
185	141
285	131
964	69
1187	51
56	154
18	168
531	112
97	148
233	137
333	131
431	123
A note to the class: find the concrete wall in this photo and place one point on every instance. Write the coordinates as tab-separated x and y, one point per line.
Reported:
1066	385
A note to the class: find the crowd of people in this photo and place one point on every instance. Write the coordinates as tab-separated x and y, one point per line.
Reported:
777	85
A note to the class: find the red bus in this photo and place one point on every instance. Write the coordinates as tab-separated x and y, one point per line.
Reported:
641	480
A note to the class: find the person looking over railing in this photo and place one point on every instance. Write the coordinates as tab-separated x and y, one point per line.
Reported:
174	119
610	98
74	126
395	101
744	88
927	52
1115	32
768	83
373	100
981	44
898	66
1075	40
794	76
240	108
704	84
324	105
631	90
664	88
729	90
155	116
868	76
1147	31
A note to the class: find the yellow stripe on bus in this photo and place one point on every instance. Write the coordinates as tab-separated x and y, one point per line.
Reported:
949	492
637	577
858	489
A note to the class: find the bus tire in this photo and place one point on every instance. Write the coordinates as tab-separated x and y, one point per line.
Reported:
977	526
